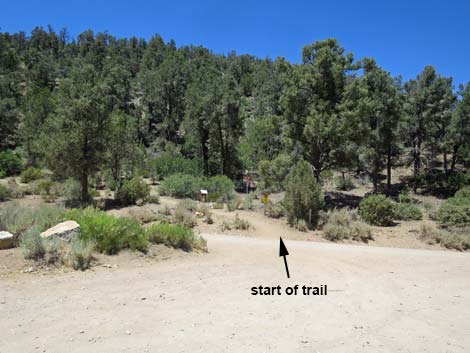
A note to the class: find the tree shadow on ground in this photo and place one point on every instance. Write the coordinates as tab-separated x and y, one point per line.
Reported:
334	199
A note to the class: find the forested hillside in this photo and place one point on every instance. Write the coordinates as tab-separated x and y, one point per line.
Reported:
120	107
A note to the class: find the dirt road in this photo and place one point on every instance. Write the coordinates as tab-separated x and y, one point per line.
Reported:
379	300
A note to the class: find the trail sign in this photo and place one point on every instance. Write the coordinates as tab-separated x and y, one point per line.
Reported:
265	199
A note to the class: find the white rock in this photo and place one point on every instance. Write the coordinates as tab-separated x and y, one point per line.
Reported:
7	240
65	230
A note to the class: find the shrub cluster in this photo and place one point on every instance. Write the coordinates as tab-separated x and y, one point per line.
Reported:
81	254
110	234
48	189
456	210
378	210
30	174
344	224
167	164
176	236
183	216
10	163
132	191
407	212
453	238
188	186
16	219
54	251
238	224
274	210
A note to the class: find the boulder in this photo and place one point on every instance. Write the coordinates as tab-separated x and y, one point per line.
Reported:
65	231
7	240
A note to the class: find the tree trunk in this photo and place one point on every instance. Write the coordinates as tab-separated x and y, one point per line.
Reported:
389	170
417	163
204	137
445	164
222	148
84	183
454	157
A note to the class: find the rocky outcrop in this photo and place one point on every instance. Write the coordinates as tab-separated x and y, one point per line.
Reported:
7	240
65	230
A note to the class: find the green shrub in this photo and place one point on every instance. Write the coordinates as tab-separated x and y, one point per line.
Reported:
219	187
167	164
176	236
3	174
110	234
48	189
344	184
188	186
274	173
274	210
16	219
407	212
81	254
378	210
10	163
5	193
181	186
93	193
463	193
303	198
454	212
30	174
132	191
32	244
344	224
405	197
326	175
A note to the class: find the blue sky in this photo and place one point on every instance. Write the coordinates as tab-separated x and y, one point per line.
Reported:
403	36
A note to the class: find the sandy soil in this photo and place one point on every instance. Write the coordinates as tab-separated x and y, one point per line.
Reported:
379	300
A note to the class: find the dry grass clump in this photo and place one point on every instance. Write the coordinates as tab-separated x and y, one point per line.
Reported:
452	238
238	224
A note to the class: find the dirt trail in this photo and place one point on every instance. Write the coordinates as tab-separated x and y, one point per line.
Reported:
379	300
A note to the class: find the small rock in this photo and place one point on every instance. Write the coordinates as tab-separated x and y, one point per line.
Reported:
143	298
128	333
82	331
65	231
7	240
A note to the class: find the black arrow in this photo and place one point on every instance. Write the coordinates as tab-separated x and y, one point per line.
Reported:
283	252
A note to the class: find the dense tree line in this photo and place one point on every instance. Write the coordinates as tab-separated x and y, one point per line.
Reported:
98	103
